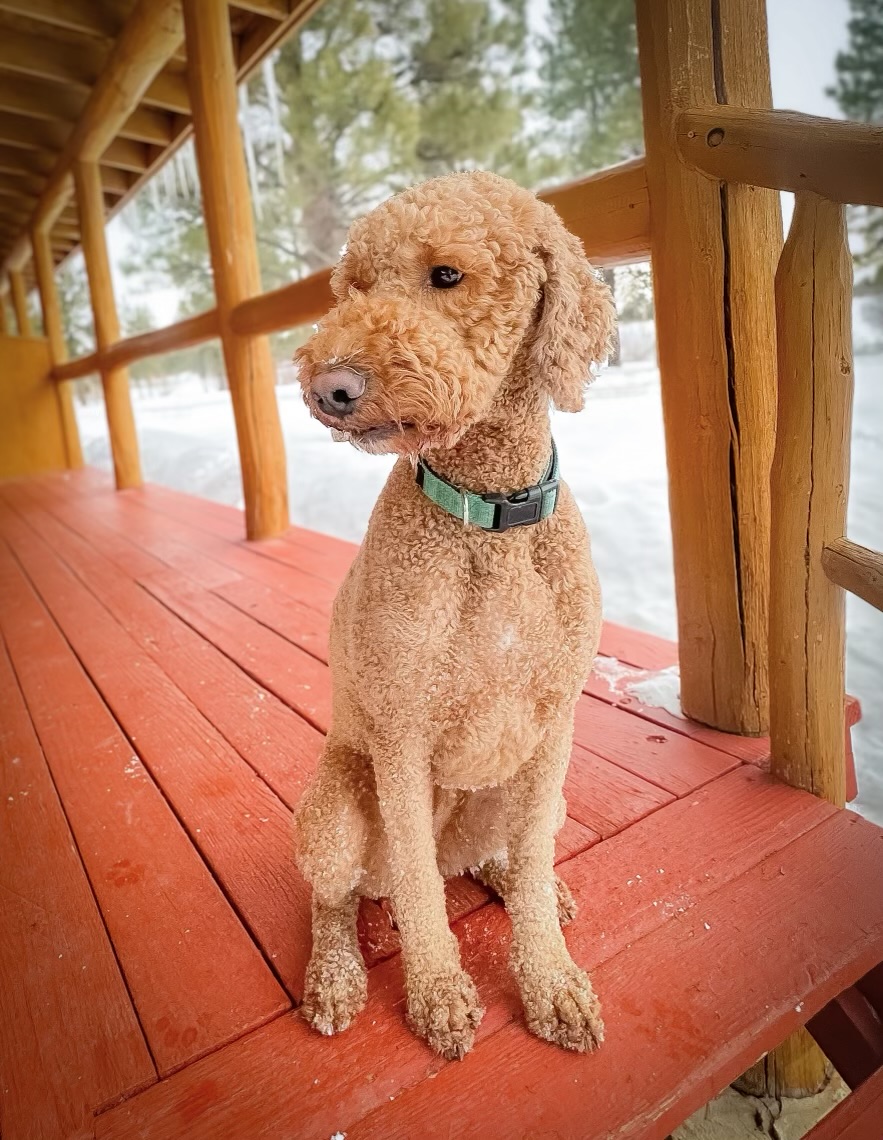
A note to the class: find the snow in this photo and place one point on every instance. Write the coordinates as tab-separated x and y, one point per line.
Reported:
612	456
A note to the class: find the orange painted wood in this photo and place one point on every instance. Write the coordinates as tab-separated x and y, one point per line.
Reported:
280	612
636	647
278	744
295	677
285	1071
667	759
241	828
859	1117
684	1014
607	798
163	910
69	1037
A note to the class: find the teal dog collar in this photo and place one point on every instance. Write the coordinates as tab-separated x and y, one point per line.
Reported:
493	512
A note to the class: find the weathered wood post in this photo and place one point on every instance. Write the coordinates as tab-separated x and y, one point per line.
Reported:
20	302
714	252
809	491
114	381
230	227
809	483
45	270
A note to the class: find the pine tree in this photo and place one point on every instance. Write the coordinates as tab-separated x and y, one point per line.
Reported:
859	91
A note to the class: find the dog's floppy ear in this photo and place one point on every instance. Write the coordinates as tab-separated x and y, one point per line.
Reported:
575	318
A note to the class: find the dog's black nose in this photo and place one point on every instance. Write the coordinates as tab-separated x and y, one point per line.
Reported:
337	393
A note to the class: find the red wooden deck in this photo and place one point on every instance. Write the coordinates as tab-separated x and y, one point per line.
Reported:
163	694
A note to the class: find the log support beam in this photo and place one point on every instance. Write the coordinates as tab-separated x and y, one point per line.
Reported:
714	252
809	490
45	272
114	381
231	238
20	302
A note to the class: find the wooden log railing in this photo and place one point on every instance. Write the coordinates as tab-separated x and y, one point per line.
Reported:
785	150
618	194
856	569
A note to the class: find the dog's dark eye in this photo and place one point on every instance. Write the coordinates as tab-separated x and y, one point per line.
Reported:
444	277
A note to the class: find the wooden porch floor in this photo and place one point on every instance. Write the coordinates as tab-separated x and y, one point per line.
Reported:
163	694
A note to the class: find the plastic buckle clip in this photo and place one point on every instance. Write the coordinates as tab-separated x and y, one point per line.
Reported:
522	508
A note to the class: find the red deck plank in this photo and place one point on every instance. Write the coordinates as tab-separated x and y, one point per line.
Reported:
281	747
239	825
667	759
69	1037
605	797
686	1010
163	910
858	1117
294	676
286	1072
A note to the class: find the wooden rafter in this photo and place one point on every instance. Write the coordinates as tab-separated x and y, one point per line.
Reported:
101	20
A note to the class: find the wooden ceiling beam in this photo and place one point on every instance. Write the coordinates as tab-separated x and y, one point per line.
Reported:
15	160
275	9
40	99
43	58
127	154
31	134
152	33
169	92
148	126
102	20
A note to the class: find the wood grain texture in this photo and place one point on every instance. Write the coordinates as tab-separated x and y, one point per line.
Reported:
785	150
114	381
809	490
230	230
31	428
234	820
69	1037
164	912
44	268
856	569
856	1118
714	250
20	302
284	1072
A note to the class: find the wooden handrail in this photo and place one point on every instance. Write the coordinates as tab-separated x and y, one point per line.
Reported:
151	35
856	569
784	150
183	334
609	211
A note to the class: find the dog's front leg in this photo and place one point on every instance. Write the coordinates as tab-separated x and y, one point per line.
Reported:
443	1005
559	1002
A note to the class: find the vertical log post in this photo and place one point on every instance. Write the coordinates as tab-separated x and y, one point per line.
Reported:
714	251
114	381
230	227
45	270
4	325
809	482
20	302
809	491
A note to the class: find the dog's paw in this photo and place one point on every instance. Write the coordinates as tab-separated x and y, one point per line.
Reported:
446	1011
563	1009
566	902
335	991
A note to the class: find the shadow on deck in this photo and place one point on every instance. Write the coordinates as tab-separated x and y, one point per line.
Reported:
164	691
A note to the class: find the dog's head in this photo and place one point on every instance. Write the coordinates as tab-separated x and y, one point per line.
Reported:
442	293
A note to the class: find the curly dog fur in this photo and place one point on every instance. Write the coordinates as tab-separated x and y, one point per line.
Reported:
457	655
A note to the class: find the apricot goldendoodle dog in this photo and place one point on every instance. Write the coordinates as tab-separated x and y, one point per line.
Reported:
459	645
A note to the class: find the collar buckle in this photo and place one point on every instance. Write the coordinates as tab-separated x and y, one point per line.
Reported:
521	508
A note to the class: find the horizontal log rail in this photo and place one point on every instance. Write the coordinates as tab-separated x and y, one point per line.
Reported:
784	150
856	569
183	334
609	211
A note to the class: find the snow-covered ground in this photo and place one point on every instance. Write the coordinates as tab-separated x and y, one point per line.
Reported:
613	457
